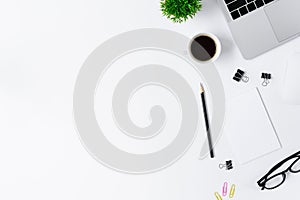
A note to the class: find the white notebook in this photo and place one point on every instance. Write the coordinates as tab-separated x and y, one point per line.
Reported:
249	127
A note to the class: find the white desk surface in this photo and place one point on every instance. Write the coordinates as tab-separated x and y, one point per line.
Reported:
43	45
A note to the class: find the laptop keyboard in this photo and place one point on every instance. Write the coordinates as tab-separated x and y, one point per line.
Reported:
238	8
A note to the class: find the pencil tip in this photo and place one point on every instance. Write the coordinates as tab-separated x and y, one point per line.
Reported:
201	88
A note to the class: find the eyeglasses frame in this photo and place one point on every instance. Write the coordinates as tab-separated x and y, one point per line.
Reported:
262	182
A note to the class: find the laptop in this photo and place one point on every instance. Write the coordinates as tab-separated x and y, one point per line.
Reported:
260	25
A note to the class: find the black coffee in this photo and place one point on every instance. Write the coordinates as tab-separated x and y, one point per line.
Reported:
203	48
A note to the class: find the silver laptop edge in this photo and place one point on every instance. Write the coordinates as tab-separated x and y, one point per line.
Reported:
264	28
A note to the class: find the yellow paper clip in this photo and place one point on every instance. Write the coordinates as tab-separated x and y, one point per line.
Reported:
232	191
218	196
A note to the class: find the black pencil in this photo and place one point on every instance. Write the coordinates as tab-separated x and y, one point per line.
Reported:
211	150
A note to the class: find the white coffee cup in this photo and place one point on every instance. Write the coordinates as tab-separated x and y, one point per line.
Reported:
204	48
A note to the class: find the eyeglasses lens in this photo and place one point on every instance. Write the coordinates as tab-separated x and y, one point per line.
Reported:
296	166
275	181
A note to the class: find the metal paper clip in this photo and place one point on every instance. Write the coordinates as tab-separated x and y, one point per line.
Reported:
224	191
218	196
232	191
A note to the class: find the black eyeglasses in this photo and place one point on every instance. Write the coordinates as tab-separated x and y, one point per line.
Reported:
273	179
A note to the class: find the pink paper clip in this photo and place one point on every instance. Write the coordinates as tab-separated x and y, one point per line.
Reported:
224	191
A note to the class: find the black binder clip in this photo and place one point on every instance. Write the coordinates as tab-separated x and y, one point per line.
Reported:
227	165
240	75
266	78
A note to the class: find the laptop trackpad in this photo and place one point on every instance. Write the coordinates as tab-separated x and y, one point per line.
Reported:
284	16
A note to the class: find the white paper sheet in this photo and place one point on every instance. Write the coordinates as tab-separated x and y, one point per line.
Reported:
249	127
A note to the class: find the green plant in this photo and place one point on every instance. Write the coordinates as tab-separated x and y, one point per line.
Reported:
180	10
